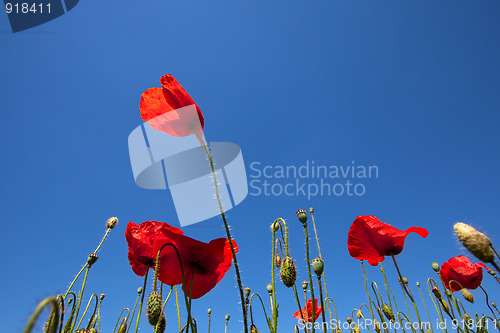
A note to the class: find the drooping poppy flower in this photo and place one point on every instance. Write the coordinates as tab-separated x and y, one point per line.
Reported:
204	264
370	239
170	109
461	270
144	243
308	316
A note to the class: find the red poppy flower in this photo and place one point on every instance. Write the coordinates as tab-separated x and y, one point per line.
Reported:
461	270
369	239
204	264
144	243
170	109
308	316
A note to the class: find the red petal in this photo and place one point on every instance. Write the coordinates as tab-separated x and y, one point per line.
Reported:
370	239
461	273
167	109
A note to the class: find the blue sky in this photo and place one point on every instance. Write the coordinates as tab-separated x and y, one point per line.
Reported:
409	87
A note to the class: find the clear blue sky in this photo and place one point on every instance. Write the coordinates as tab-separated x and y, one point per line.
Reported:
411	87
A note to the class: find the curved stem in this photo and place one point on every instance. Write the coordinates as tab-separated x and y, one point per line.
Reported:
133	312
80	296
55	307
86	309
263	308
228	233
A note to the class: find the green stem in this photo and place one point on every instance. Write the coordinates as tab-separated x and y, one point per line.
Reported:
142	300
322	304
55	307
133	312
226	226
310	277
178	310
298	304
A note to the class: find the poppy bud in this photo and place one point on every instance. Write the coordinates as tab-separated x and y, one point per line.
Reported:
357	330
227	317
91	259
494	304
277	261
304	285
435	267
311	210
476	242
154	308
139	290
349	320
247	291
275	226
377	326
302	215
405	280
388	312
418	284
338	330
253	329
437	293
111	223
161	324
101	297
92	330
209	311
269	288
445	305
123	326
467	318
318	266
447	292
359	314
492	272
467	295
288	272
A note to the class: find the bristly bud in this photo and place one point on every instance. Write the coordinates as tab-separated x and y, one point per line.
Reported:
388	312
435	267
302	215
111	223
161	324
448	292
494	304
227	317
492	272
359	314
101	296
123	326
91	259
377	326
277	260
304	285
275	226
318	266
288	272
154	308
139	290
467	295
445	305
253	329
437	293
92	330
247	291
467	318
476	242
405	280
269	288
417	283
311	210
209	311
356	330
349	320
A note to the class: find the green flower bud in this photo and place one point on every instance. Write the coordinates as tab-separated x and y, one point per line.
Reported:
277	260
253	329
227	317
139	290
476	242
405	280
318	266
123	326
91	259
288	272
311	210
447	292
467	295
437	293
359	314
435	267
209	311
269	288
275	226
492	272
111	223
388	312
154	308
302	215
445	305
161	324
467	318
101	296
247	291
349	320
